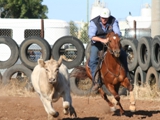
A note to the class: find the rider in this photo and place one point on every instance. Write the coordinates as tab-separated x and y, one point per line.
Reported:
98	28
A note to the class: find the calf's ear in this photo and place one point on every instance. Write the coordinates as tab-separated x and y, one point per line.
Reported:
60	60
41	62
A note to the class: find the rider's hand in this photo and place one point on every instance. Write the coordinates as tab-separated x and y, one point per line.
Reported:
105	41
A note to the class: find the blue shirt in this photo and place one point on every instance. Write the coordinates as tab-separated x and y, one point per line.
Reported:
93	29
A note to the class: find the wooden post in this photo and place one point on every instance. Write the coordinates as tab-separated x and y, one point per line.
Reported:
42	28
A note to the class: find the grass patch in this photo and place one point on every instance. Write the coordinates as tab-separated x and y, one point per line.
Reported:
16	87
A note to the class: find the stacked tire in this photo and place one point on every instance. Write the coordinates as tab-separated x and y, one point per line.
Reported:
143	60
143	63
21	53
154	71
146	71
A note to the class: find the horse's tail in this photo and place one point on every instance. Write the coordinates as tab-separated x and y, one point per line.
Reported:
79	72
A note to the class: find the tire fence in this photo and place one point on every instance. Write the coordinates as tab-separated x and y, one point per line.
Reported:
143	58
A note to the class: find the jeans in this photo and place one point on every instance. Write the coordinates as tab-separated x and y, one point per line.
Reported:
94	59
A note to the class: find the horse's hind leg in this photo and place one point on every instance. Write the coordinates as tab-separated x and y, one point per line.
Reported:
104	96
129	86
114	92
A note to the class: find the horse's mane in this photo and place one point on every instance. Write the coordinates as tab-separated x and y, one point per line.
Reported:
110	34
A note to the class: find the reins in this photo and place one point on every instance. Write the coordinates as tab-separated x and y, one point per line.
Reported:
108	48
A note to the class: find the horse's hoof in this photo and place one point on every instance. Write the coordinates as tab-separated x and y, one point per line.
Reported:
51	117
118	113
113	109
132	108
73	113
56	115
66	111
123	113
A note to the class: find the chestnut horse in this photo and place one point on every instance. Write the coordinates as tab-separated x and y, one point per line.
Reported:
113	73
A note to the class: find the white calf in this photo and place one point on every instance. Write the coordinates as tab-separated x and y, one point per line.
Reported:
50	81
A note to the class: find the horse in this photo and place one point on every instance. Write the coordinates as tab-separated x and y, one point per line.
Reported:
112	73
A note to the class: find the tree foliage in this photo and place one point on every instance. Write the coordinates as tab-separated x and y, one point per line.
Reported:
81	32
84	34
23	9
73	29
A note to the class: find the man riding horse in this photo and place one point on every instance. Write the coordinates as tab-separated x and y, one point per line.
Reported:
98	28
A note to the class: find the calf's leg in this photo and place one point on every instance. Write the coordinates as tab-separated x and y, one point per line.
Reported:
49	108
67	105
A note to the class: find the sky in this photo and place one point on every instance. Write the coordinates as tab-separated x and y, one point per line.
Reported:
79	10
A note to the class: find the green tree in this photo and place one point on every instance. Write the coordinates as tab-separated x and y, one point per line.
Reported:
73	29
23	9
84	34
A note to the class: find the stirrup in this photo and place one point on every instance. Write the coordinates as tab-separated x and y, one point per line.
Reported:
96	86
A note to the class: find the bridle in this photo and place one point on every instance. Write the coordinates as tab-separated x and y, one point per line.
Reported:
107	45
108	48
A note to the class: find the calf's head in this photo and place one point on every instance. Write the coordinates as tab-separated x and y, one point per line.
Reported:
51	68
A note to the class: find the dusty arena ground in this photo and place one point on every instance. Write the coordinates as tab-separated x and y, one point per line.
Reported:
19	104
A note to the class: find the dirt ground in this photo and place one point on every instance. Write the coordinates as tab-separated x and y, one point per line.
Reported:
17	103
29	107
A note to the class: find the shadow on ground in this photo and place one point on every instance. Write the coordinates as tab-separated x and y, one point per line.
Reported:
142	113
86	118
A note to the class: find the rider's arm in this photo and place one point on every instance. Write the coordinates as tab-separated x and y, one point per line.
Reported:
92	33
116	28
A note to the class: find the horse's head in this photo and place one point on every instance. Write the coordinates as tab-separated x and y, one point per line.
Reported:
114	44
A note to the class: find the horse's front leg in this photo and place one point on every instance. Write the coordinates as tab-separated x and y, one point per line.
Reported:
114	92
104	96
129	86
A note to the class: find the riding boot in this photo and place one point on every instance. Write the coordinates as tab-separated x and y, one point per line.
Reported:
96	82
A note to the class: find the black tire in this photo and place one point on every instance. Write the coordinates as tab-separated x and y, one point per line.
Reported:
17	68
77	91
131	74
45	50
78	45
14	52
106	90
152	79
130	46
140	77
155	53
87	50
144	52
